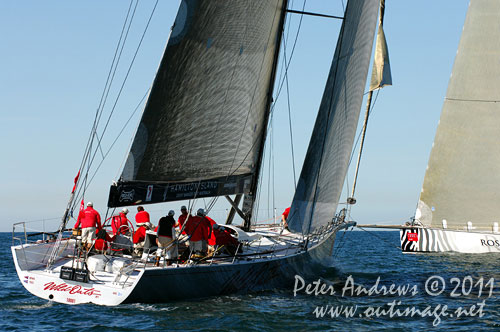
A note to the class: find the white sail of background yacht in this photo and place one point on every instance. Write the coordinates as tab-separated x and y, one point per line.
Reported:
459	202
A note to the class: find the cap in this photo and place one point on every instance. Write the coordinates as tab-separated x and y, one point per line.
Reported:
200	212
183	208
171	213
125	210
90	204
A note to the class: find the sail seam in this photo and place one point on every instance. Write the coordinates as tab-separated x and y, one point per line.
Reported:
473	100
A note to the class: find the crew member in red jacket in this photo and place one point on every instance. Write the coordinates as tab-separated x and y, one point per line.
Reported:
139	239
142	218
284	217
199	230
182	218
103	241
222	236
90	220
119	223
211	239
140	235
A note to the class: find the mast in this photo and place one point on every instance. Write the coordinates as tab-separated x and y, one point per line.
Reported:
249	200
351	199
381	76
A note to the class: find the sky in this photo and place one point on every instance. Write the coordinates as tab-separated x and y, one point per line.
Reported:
55	57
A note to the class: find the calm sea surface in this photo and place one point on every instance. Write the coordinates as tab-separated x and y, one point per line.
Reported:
453	280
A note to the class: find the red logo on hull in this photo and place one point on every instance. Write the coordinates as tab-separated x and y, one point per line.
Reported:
412	236
76	289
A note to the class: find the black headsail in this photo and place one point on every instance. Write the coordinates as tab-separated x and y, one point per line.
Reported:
325	166
204	123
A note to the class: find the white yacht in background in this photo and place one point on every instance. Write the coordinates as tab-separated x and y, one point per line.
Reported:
459	206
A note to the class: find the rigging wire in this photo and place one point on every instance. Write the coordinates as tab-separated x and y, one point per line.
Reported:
286	66
109	79
271	156
286	28
127	74
339	244
370	111
291	56
258	138
116	139
86	183
94	125
132	139
108	88
116	66
271	116
290	121
329	113
275	99
384	240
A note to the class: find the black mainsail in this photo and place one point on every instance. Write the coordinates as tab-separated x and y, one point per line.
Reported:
325	166
203	127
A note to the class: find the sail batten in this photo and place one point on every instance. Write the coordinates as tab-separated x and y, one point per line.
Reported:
462	178
325	166
206	115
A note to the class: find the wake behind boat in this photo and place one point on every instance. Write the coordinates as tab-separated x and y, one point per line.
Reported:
218	69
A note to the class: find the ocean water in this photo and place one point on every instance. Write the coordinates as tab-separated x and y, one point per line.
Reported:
353	295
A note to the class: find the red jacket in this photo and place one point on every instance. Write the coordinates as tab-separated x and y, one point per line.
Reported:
102	244
140	235
198	228
88	218
141	217
211	239
223	237
182	219
117	222
286	212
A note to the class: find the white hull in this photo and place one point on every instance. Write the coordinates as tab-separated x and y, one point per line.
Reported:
149	284
47	284
421	239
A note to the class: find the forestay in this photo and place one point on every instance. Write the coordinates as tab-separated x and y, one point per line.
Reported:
203	126
462	180
325	166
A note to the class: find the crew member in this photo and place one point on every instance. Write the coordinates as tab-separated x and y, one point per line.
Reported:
199	230
139	238
284	217
142	218
102	242
224	238
182	218
119	223
165	232
90	220
211	239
